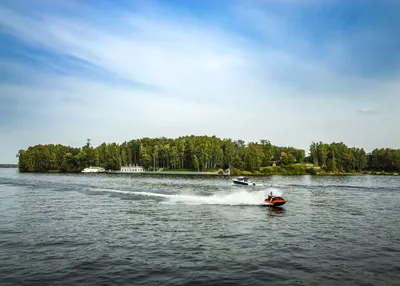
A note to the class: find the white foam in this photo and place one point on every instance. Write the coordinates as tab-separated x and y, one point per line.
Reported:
275	192
235	197
241	197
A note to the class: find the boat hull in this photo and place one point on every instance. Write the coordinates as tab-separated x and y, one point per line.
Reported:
243	183
274	202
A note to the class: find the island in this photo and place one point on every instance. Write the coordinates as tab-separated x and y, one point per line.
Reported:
209	155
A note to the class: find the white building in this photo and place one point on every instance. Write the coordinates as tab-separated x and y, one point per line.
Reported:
131	169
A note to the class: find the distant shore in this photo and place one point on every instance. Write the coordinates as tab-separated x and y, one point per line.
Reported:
169	173
255	175
204	155
276	172
9	166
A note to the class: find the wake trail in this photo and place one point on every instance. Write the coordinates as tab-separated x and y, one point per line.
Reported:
242	197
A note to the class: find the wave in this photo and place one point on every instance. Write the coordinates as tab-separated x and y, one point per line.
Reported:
232	198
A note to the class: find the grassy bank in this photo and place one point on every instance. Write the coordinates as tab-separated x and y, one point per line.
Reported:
302	169
294	170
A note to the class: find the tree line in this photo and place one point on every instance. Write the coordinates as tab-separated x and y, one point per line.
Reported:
202	153
339	157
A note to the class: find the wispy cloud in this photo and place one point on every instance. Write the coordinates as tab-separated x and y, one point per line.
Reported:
367	111
248	71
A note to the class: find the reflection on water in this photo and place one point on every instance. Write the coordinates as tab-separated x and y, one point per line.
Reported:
276	211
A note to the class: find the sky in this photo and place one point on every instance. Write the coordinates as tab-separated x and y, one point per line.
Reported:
289	71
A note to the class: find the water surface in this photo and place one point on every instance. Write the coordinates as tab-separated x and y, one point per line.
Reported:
103	229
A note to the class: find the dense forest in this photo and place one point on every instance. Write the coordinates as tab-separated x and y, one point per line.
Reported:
205	153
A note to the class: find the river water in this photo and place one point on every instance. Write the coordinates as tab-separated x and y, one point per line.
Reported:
103	229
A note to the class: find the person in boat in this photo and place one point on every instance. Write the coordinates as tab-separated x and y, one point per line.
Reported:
270	196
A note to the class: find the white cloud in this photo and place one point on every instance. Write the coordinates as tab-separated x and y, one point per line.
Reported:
206	81
367	111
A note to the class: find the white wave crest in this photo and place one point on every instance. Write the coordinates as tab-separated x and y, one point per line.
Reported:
275	192
235	197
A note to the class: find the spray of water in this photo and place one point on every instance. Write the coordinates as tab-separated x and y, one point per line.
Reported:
242	197
275	192
236	197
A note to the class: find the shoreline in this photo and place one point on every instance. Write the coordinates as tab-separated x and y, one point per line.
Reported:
186	155
236	174
168	173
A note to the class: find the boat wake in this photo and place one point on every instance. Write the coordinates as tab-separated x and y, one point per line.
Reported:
232	198
251	185
237	197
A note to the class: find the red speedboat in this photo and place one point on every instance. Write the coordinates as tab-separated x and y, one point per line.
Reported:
274	201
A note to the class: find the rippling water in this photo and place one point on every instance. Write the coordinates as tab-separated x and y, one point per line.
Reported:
102	229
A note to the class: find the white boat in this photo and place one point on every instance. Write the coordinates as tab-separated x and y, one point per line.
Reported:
93	170
243	181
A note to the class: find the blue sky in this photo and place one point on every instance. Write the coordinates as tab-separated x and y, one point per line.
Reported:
288	71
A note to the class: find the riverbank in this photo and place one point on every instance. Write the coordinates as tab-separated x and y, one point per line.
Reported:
301	169
168	173
290	170
241	173
194	153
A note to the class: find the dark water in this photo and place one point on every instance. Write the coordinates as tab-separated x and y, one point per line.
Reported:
93	229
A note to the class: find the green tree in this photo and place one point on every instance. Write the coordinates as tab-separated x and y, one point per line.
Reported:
196	163
287	159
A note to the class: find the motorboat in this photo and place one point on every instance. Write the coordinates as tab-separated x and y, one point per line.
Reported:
273	198
243	181
274	201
